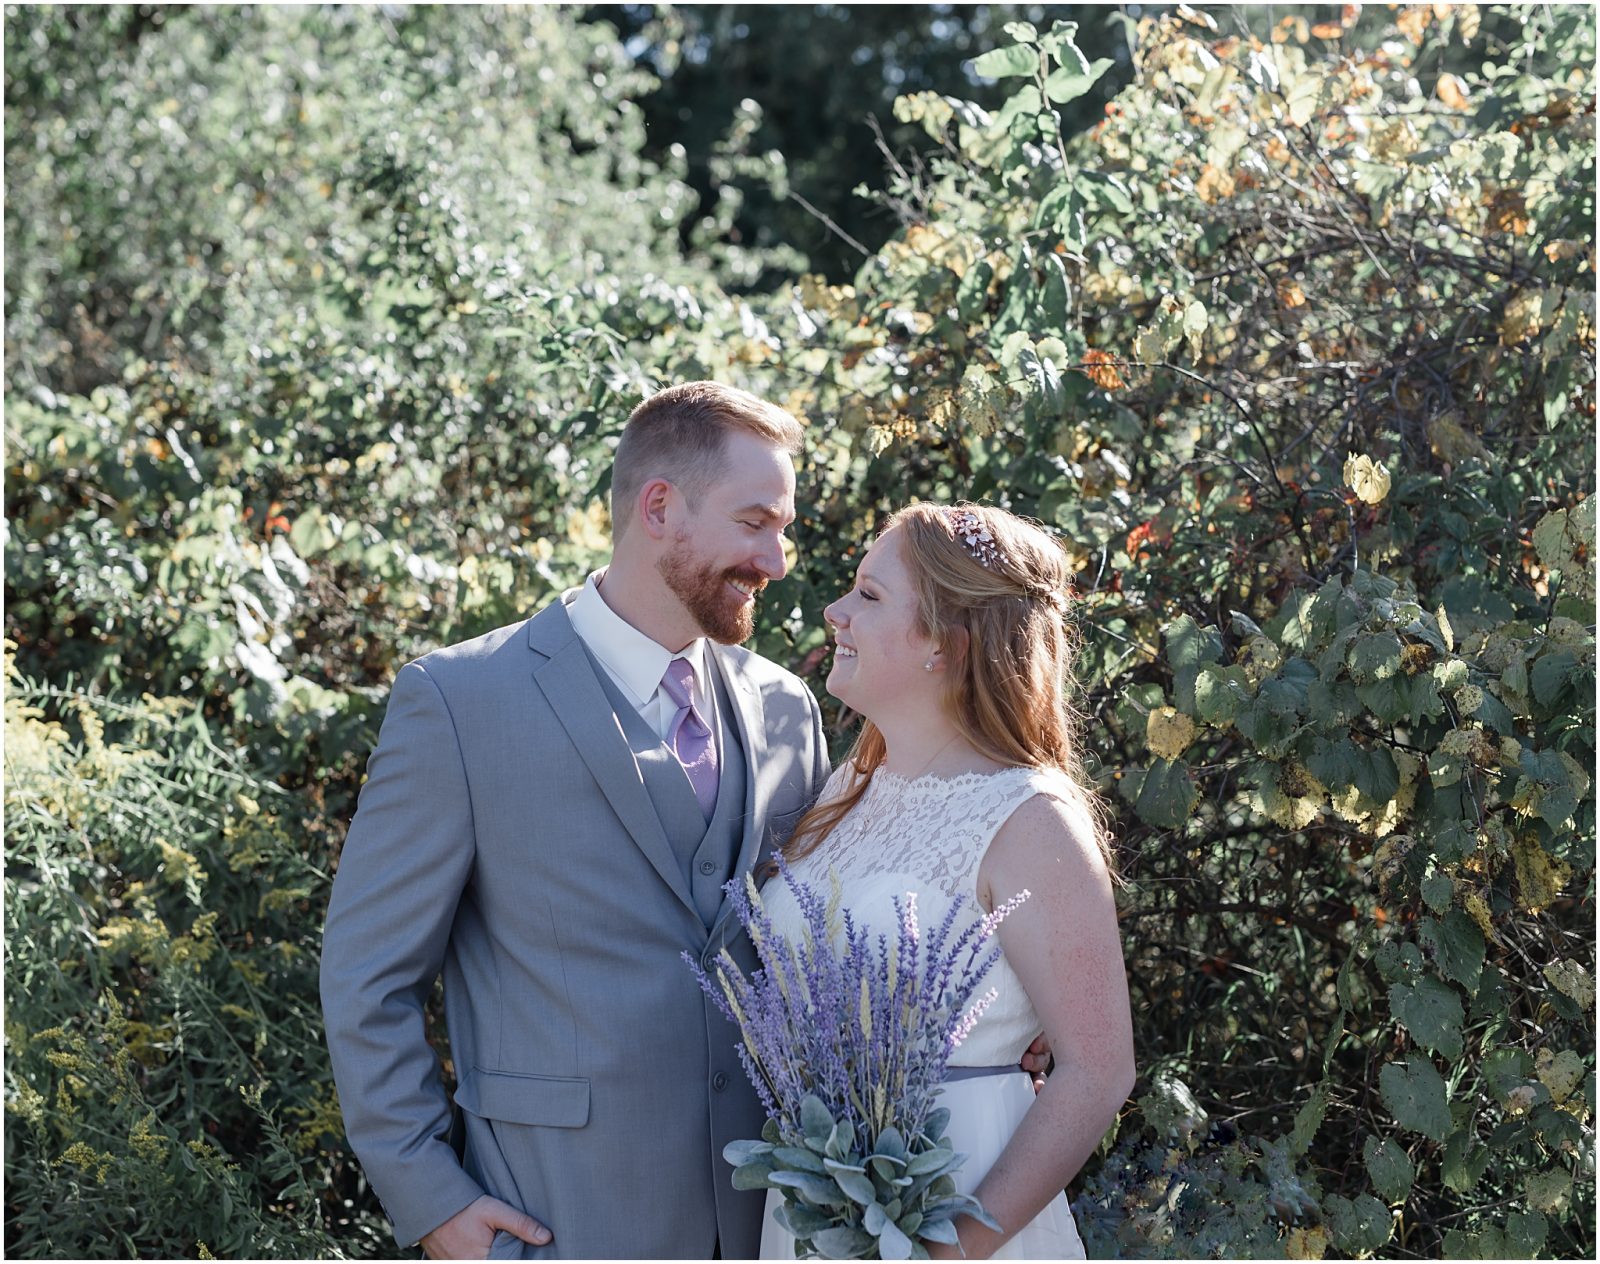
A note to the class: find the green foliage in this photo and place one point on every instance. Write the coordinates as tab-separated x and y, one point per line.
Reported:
163	1041
321	326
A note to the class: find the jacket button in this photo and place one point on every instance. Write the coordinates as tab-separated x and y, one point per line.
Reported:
719	1081
708	867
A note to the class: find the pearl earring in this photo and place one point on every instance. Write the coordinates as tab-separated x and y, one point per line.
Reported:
928	666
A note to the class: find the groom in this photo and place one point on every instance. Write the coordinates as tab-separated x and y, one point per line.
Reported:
548	819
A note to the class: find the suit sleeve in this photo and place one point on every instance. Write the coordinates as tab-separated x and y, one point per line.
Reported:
821	766
406	860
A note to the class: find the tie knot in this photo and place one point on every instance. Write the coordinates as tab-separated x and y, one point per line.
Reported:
679	682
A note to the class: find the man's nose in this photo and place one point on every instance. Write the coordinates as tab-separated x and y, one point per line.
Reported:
772	562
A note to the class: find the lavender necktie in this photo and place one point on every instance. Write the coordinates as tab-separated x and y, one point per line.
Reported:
690	736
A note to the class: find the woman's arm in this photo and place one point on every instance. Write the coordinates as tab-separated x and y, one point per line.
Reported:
1064	946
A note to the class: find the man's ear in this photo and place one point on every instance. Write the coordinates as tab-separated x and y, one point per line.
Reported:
655	503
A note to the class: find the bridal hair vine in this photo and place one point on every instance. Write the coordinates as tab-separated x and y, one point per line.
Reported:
975	537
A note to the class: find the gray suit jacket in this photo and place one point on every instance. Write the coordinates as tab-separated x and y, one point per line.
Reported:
505	838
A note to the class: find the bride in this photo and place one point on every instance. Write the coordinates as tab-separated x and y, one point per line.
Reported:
964	781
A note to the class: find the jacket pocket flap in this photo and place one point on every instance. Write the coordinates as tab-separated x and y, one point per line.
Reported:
525	1099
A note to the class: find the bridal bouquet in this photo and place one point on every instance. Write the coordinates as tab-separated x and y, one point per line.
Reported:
848	1050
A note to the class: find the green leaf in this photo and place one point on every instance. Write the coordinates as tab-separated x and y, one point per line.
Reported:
1336	762
1219	692
1359	1227
1071	81
1390	1168
1006	63
1022	32
755	1173
1438	890
892	1244
1308	1119
739	1152
798	1159
1415	1094
1525	1233
1373	657
312	533
816	1190
1189	645
1464	1162
815	1121
1456	947
1163	794
803	1221
1432	1012
842	1242
854	1182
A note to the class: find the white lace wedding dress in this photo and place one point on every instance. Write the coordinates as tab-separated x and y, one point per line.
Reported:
927	835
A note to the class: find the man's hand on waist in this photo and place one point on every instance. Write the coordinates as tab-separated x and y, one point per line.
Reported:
469	1233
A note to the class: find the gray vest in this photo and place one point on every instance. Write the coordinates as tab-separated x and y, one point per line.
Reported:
705	851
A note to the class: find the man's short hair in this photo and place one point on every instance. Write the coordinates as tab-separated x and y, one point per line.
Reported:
677	434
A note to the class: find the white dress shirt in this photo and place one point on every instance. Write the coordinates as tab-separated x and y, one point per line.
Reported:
636	663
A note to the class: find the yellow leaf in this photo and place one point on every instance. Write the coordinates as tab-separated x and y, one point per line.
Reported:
1540	876
1168	732
1306	1244
1369	480
1558	1072
1478	909
1451	442
1290	294
1148	347
1571	978
1468	20
1524	316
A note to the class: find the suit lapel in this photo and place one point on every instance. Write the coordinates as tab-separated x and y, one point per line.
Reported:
750	718
567	679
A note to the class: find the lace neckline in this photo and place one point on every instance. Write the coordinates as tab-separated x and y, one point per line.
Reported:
941	780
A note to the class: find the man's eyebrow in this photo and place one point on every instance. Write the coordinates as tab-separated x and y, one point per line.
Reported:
764	511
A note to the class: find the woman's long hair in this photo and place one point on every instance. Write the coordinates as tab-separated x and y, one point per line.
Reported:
1007	688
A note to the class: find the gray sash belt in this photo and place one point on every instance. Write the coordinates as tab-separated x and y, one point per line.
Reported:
951	1074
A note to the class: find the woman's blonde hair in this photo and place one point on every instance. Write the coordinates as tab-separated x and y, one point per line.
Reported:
997	608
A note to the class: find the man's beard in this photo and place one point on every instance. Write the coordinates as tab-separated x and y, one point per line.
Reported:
703	590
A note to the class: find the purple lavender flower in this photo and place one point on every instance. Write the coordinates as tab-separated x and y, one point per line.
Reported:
846	1038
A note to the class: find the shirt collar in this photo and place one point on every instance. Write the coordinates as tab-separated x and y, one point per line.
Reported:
637	662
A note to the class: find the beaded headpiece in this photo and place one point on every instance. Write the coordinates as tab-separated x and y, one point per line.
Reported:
972	534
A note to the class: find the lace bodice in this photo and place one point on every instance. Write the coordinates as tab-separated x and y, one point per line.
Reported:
925	834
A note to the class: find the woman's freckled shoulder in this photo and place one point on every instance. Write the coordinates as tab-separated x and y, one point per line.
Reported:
1048	828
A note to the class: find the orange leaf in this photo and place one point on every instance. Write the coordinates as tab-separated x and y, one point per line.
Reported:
1101	369
1327	30
1214	184
1290	294
1449	89
1413	21
1508	213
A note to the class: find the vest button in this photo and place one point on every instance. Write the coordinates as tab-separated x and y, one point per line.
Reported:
708	867
719	1081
